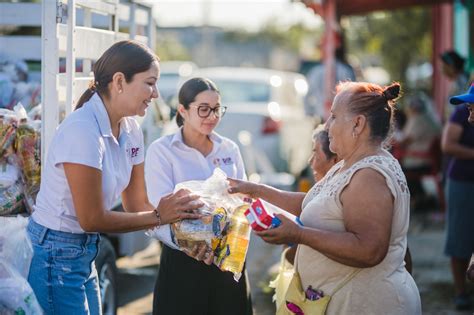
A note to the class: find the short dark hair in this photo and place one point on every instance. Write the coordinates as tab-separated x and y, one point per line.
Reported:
188	92
452	58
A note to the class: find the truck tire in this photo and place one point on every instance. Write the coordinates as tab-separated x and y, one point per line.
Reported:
107	271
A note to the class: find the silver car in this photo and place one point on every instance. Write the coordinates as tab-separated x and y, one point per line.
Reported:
265	116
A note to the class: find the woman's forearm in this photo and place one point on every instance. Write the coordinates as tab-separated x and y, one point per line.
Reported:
289	201
344	247
459	151
119	222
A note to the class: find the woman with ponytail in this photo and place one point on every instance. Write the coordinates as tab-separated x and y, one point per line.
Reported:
355	220
95	157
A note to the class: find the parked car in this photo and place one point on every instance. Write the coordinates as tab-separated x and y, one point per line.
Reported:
171	73
265	116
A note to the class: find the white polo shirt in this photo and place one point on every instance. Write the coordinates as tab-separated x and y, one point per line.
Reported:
85	137
169	162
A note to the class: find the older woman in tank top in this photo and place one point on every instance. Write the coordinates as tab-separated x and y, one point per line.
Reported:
355	218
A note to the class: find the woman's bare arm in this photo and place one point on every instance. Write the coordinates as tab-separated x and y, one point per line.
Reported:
289	201
86	187
367	213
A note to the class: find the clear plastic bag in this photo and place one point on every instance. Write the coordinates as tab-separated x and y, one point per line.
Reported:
16	295
12	200
223	228
15	245
8	125
28	150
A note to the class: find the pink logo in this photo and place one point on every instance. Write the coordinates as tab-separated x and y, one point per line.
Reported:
135	152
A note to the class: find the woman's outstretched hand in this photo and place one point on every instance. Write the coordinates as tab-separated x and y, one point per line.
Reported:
288	232
178	206
243	187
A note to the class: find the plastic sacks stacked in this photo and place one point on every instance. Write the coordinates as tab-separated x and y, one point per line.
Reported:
223	227
16	252
20	161
18	84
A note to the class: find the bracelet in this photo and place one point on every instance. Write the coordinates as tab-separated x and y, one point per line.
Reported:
157	214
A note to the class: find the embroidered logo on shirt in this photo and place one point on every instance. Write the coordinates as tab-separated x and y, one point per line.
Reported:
135	152
227	161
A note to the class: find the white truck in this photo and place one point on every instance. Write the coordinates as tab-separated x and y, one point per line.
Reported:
77	32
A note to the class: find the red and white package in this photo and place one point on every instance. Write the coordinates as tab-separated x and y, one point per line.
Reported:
258	216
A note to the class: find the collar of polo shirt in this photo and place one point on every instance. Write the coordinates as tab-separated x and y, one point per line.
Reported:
103	120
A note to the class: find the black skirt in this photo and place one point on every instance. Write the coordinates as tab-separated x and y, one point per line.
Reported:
186	286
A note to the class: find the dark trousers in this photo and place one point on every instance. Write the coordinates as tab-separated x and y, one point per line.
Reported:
189	287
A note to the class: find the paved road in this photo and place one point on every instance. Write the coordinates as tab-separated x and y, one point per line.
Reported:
137	277
426	239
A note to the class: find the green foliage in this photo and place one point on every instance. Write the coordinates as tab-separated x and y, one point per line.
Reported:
169	48
286	37
397	38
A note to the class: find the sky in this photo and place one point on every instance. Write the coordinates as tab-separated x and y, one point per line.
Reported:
243	14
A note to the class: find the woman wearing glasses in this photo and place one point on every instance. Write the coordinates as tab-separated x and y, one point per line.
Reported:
186	285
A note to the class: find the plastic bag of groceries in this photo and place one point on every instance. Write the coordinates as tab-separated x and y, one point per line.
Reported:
12	199
16	295
223	228
15	245
8	125
27	148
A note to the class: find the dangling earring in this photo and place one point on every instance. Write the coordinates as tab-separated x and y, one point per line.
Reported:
354	134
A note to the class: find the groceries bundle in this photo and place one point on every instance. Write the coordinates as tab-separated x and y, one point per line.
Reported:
223	227
20	161
16	252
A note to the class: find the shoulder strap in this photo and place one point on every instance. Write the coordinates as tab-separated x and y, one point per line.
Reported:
345	281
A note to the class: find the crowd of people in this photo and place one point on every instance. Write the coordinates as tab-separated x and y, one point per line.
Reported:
351	245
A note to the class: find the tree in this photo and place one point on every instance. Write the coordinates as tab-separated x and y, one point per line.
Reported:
398	38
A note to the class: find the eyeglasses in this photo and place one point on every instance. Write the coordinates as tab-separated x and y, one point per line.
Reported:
204	111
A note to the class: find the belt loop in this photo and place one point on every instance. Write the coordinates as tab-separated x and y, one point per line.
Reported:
42	235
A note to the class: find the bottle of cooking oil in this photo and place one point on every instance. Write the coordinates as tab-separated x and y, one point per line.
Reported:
232	256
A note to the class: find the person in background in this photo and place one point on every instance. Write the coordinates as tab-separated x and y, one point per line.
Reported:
185	285
95	157
458	142
316	97
355	220
416	140
321	161
453	69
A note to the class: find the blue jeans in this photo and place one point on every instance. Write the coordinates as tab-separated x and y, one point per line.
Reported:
62	272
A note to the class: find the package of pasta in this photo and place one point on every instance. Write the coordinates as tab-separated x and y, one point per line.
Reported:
223	227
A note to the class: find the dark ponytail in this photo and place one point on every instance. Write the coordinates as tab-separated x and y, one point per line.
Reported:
188	92
128	57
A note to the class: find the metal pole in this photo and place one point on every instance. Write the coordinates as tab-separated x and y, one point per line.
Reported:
49	72
329	49
442	25
70	56
87	63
